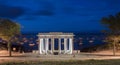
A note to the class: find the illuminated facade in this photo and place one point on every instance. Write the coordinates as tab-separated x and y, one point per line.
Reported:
47	43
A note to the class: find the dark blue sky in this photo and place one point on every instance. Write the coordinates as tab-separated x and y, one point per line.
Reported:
58	15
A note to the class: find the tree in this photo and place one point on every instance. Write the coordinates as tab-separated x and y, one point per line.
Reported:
112	22
8	29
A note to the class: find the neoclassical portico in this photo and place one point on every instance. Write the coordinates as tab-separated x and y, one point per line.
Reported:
47	43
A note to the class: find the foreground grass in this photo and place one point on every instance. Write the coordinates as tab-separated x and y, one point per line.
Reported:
87	62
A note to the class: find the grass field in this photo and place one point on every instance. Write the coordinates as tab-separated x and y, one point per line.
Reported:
85	62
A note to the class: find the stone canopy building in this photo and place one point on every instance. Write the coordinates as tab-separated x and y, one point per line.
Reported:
55	42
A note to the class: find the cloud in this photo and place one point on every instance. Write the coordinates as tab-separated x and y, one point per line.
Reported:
44	13
76	11
86	11
11	11
28	18
45	9
87	8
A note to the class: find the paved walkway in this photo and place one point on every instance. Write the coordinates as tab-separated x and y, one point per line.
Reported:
102	55
37	57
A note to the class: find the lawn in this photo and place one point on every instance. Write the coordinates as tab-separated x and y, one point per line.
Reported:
87	62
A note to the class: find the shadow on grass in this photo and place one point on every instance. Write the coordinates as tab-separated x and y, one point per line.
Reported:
13	56
99	55
86	62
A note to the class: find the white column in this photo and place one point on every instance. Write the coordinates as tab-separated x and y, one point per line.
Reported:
46	45
52	45
71	45
65	44
40	45
43	46
59	45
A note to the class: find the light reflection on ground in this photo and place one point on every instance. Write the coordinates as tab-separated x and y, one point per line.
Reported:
36	57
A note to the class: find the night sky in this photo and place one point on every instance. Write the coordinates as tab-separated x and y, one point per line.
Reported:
58	15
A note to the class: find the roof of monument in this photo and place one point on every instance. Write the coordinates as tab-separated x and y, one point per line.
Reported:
55	33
